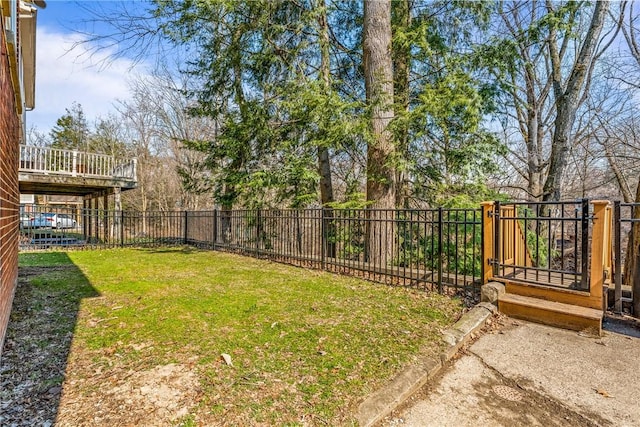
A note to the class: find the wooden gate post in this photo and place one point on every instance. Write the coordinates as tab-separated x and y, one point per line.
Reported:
488	230
600	249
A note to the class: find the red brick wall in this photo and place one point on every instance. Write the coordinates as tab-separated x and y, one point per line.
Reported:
9	196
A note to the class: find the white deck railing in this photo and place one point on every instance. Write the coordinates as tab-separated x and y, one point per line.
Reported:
74	163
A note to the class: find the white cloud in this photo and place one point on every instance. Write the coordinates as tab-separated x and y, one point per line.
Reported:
65	76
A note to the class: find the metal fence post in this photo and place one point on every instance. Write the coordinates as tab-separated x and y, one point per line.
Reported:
584	279
121	228
185	226
323	240
258	229
215	228
617	253
487	241
497	247
440	252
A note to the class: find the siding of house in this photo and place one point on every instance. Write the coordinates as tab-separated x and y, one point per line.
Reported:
9	195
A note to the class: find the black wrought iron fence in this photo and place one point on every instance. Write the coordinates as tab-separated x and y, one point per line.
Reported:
543	243
151	228
626	277
539	243
431	248
435	248
44	227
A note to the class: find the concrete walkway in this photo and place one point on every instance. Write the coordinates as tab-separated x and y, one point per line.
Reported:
524	374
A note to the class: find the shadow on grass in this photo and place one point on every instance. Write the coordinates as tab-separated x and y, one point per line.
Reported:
43	318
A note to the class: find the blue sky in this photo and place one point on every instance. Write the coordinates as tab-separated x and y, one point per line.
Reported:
65	75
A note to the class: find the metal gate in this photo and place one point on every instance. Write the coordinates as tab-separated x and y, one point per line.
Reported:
627	266
544	243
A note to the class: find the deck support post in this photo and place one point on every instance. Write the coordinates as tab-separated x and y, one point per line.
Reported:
96	215
105	215
117	215
85	218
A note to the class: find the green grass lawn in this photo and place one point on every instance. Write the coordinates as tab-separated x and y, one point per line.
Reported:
306	346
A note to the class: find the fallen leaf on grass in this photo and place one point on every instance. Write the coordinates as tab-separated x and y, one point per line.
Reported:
227	359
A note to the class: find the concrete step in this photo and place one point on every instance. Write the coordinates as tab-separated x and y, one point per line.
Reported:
566	316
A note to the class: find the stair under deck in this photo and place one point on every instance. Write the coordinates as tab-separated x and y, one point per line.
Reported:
559	314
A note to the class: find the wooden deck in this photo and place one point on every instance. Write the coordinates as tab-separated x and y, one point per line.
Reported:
44	170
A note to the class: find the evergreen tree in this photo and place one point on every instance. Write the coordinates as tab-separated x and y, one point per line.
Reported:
71	131
291	80
265	73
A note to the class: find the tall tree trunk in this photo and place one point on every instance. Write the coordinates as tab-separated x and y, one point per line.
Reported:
239	157
533	84
381	174
567	96
535	164
324	159
401	20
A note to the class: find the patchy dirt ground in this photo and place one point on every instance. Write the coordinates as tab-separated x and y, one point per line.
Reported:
156	397
34	366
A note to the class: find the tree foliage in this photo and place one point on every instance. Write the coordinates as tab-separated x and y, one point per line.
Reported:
487	95
71	131
285	82
544	55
